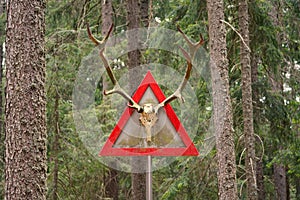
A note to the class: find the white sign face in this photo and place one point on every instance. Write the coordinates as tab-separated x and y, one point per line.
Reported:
163	133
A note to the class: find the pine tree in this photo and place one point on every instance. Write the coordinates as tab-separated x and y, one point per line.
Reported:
25	101
221	101
138	180
248	132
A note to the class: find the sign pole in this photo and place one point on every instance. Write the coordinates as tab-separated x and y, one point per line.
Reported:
149	179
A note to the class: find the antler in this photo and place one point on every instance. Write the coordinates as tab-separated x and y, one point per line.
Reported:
97	42
117	88
193	48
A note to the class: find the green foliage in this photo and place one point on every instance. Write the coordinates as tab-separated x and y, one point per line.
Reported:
82	176
276	109
187	178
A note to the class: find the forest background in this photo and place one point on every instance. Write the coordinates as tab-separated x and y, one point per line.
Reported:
73	173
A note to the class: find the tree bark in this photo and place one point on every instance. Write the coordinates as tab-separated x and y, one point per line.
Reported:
26	167
107	21
144	7
2	10
261	194
297	188
56	146
277	126
248	131
280	177
297	179
2	135
111	186
221	101
280	181
111	179
133	22
138	180
1	93
107	16
259	162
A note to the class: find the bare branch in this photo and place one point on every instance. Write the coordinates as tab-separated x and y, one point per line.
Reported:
237	34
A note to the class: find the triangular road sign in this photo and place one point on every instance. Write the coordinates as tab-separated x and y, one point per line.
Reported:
169	138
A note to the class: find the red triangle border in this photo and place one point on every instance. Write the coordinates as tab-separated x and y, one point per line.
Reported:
109	150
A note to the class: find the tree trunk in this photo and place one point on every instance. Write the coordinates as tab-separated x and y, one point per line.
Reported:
107	21
111	186
2	135
297	188
1	93
280	181
280	177
277	126
107	16
259	162
138	180
111	179
2	10
261	194
250	160
56	146
133	22
25	101
144	13
297	179
221	101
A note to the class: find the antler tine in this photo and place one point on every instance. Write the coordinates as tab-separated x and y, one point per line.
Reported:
177	94
117	89
192	46
97	42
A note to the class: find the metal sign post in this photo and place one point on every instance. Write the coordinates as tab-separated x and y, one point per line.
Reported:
149	179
